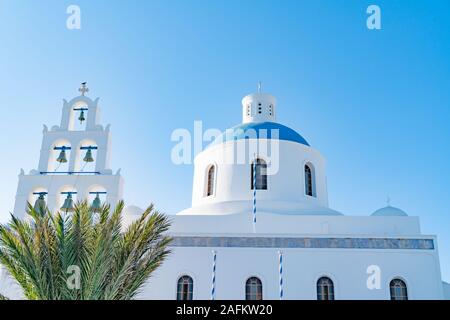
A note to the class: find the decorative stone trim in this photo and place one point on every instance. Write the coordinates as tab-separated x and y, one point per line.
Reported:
318	243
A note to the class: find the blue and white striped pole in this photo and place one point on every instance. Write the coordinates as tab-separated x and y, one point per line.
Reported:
254	195
213	285
280	273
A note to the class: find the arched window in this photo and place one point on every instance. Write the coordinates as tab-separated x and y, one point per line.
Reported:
210	180
253	289
185	288
398	290
309	181
261	175
325	289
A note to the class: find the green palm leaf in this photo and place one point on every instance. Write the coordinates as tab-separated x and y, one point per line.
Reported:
83	255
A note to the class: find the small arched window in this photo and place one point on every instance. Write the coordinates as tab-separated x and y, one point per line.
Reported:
309	181
325	289
398	290
253	289
261	175
185	288
210	180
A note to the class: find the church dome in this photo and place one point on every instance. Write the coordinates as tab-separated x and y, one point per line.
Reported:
389	211
260	130
129	215
290	174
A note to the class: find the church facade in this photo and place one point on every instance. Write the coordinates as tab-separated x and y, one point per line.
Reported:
259	227
262	228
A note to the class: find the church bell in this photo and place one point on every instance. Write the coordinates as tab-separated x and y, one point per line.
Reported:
88	157
62	156
96	204
68	205
40	205
81	118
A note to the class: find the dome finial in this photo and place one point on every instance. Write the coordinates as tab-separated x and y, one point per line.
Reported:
388	201
259	87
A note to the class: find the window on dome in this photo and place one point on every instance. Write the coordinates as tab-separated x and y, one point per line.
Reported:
253	289
185	288
309	181
325	289
398	290
261	175
210	180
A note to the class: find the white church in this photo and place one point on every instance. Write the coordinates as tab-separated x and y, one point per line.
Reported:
259	227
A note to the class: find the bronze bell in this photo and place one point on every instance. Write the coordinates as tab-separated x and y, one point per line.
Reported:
96	204
62	156
88	157
81	117
40	205
68	205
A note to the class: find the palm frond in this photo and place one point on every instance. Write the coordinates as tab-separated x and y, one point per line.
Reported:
2	297
39	252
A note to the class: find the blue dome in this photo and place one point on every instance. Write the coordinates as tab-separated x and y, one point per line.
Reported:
261	130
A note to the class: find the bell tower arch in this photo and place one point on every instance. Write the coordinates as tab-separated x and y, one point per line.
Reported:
74	157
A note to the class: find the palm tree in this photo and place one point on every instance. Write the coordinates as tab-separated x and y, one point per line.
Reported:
83	254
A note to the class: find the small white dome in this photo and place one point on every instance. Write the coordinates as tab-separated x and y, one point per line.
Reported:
389	211
129	215
132	211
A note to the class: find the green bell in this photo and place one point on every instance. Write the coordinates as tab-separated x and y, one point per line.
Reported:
96	204
62	156
40	205
81	117
88	157
68	205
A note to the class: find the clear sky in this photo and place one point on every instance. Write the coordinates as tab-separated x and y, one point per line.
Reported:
374	102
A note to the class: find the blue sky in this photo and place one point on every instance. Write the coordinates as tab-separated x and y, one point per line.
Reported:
375	103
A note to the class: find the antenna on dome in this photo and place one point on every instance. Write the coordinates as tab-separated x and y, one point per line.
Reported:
259	87
388	201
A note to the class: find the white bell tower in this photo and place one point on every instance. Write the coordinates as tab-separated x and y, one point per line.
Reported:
74	161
